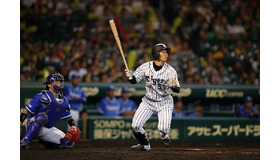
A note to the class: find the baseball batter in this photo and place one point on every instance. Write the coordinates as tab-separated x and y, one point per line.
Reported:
161	79
43	112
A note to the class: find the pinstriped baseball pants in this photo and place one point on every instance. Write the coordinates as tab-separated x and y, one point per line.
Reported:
145	111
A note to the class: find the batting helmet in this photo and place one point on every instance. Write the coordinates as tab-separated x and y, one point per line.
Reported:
55	77
157	48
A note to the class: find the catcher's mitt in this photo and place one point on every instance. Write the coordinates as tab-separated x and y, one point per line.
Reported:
73	134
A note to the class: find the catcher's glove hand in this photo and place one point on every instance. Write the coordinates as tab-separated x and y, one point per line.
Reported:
73	134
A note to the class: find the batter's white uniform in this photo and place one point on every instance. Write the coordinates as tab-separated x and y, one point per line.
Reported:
158	97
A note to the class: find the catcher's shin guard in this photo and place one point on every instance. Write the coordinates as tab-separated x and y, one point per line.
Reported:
34	128
142	138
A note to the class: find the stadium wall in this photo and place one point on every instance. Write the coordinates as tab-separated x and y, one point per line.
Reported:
207	128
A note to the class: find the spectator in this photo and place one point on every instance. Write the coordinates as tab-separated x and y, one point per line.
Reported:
220	53
222	77
93	74
237	71
221	27
208	65
83	116
115	74
104	78
52	59
66	67
236	30
252	80
212	80
176	44
178	106
247	109
75	95
239	47
198	111
191	67
113	61
110	105
54	43
256	63
128	105
188	80
197	79
77	70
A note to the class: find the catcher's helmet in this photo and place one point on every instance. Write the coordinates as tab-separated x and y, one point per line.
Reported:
157	48
55	77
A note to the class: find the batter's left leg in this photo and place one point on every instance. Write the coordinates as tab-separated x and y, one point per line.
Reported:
142	114
164	123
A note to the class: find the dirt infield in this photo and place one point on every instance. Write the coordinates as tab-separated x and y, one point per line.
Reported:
120	150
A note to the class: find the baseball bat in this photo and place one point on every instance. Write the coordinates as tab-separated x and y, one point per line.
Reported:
117	38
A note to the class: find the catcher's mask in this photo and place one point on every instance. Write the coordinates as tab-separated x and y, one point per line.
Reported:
55	77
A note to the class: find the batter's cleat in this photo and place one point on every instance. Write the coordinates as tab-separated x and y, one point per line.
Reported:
166	142
140	147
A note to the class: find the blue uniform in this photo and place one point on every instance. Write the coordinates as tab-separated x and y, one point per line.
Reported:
193	115
243	112
109	107
71	91
44	110
128	105
180	114
54	109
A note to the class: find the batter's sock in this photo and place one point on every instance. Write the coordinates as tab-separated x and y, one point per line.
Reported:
142	138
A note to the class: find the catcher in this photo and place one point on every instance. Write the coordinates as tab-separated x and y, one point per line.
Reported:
43	112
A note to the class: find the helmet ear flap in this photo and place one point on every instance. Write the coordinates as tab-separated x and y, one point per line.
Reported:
155	54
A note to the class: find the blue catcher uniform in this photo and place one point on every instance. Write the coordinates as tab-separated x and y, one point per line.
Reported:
44	112
55	109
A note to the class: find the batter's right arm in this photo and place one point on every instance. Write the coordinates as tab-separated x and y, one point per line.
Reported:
130	74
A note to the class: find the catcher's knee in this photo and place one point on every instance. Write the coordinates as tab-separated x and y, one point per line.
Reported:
41	119
66	143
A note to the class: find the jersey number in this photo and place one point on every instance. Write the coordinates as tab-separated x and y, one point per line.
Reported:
158	82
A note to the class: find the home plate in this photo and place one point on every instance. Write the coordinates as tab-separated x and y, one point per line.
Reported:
194	149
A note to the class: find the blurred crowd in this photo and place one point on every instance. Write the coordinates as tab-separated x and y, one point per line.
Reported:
212	41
